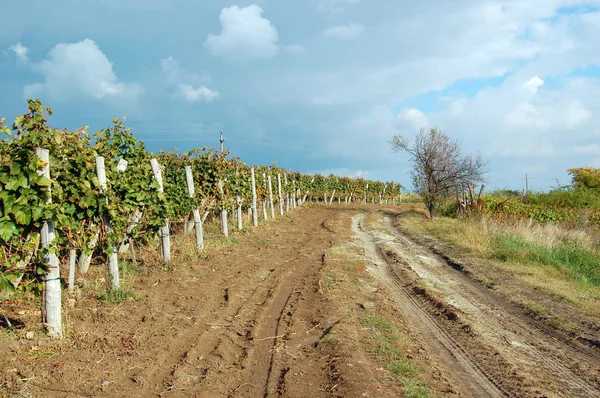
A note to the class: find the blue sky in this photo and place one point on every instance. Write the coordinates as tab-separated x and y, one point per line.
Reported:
321	85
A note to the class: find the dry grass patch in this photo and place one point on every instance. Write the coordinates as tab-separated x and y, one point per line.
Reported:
561	261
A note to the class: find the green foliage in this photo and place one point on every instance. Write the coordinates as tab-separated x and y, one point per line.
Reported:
580	264
585	177
559	205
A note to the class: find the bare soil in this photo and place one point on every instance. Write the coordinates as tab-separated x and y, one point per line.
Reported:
281	312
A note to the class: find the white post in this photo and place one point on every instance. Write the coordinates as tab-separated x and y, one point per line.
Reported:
164	230
137	216
287	195
52	302
254	213
224	226
280	194
239	207
85	259
113	262
197	219
266	186
366	190
294	205
271	197
72	261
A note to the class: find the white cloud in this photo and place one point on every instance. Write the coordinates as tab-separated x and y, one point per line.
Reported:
533	84
20	52
294	48
184	82
344	32
191	94
79	70
413	119
509	121
245	35
334	6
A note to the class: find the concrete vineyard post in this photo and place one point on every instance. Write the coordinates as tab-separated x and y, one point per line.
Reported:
254	211
224	226
85	259
239	207
72	262
137	216
280	195
164	231
271	198
287	196
239	214
53	296
189	178
294	195
265	186
113	262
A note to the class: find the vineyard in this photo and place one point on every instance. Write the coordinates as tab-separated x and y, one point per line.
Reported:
65	195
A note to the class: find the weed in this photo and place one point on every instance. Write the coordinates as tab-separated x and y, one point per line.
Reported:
114	296
330	279
403	368
581	264
386	350
328	338
376	322
415	389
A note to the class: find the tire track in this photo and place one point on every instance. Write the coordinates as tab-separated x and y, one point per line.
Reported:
532	352
586	351
468	376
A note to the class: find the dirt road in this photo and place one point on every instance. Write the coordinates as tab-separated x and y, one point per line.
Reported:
485	344
280	313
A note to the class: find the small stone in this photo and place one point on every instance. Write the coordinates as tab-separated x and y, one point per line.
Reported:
29	335
71	303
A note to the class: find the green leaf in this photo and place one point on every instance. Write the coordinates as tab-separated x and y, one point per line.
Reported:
7	230
43	181
16	182
23	216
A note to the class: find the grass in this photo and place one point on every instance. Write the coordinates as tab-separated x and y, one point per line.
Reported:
328	338
382	346
580	264
560	260
330	279
376	322
115	296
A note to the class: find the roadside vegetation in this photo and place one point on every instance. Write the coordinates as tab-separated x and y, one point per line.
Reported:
549	240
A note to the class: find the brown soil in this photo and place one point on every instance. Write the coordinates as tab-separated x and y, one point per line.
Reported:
280	313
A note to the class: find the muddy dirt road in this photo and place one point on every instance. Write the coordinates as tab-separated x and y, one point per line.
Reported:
281	312
485	344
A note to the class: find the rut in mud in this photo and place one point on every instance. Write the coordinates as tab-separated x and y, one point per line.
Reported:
252	320
482	342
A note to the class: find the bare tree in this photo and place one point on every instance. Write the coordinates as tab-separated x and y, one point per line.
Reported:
439	168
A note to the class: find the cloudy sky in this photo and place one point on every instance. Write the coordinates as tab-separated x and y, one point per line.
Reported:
320	85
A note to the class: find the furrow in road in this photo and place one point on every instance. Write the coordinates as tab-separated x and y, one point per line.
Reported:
525	360
466	375
548	365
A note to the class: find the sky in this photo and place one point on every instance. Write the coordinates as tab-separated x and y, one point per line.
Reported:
320	85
